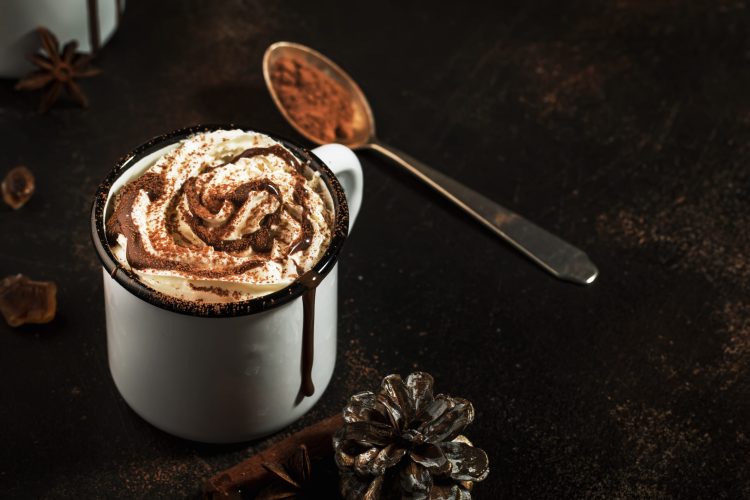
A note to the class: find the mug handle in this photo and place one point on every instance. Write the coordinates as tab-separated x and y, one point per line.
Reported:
344	163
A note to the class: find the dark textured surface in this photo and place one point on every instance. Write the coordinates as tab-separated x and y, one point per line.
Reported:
622	126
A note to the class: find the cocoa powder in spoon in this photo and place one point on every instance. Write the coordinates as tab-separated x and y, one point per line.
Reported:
314	100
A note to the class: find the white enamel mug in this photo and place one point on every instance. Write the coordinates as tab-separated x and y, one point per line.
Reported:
233	372
68	19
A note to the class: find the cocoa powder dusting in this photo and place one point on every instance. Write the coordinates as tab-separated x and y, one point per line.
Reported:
221	292
694	231
315	101
361	368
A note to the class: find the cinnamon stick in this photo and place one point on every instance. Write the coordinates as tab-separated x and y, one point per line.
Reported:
250	474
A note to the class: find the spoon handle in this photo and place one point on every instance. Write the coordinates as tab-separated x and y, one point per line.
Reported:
561	259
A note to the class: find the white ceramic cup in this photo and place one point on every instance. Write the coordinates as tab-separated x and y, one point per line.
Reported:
68	19
231	375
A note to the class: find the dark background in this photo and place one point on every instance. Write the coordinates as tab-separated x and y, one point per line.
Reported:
622	126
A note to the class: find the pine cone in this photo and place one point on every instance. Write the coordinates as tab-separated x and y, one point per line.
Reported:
403	442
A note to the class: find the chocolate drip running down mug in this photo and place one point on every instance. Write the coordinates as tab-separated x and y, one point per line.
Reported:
234	371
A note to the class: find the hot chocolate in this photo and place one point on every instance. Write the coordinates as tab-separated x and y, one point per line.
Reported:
221	216
190	224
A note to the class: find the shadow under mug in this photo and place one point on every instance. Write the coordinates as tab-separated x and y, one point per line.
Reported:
233	372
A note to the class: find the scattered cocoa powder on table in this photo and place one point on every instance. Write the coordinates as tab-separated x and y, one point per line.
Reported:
314	100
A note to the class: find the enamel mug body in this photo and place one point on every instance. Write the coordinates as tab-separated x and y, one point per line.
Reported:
221	379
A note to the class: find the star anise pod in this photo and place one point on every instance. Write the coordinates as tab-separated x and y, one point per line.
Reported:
290	479
403	442
57	70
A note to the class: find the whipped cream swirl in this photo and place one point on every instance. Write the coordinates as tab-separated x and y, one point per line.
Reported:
224	216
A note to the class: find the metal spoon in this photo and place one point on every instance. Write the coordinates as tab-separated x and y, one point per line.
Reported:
561	259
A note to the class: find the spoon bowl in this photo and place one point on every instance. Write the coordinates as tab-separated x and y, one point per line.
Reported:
363	123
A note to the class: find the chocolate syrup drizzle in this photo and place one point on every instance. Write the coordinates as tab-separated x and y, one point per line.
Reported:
310	280
260	240
93	15
202	206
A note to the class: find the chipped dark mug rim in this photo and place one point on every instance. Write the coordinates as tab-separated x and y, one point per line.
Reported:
129	280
